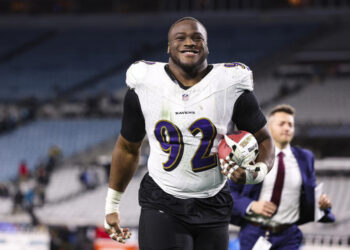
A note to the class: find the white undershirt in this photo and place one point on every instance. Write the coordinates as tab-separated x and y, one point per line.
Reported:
288	210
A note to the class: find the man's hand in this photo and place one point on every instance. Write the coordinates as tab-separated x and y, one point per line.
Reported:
233	171
324	202
241	175
265	208
114	230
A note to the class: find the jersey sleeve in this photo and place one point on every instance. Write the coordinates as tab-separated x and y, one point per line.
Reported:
135	73
244	79
133	121
247	114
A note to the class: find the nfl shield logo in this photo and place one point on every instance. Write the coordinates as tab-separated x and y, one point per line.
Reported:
185	97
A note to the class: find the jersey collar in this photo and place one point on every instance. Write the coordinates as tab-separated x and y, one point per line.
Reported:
173	78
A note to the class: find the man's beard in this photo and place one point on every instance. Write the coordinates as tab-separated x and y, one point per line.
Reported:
190	69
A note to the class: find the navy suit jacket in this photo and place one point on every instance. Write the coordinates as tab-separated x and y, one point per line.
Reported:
243	195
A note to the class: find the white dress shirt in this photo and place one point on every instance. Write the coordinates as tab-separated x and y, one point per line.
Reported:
288	210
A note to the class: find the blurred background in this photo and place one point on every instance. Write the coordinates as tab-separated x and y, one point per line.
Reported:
62	83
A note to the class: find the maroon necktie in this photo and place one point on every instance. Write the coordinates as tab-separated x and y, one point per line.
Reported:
277	188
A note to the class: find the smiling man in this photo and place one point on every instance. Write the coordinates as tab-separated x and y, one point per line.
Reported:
185	107
188	57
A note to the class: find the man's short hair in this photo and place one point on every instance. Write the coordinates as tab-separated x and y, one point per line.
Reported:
184	19
285	108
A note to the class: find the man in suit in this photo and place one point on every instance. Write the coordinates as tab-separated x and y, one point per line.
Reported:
271	210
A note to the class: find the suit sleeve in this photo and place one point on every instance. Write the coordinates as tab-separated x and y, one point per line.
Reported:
241	202
329	216
307	198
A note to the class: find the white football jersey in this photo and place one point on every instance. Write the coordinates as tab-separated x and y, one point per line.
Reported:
184	127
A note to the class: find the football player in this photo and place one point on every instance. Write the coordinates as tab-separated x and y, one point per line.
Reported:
185	107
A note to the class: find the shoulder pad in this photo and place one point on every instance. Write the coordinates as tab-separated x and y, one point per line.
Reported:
240	74
137	71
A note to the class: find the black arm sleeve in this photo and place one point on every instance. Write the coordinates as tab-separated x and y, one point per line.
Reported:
133	122
247	114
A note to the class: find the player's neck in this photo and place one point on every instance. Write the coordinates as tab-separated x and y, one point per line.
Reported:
188	79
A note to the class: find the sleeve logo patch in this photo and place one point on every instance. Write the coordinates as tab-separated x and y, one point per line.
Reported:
148	62
235	64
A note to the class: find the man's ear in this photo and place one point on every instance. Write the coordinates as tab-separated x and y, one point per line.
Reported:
168	50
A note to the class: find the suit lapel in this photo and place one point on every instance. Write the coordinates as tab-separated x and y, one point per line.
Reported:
301	162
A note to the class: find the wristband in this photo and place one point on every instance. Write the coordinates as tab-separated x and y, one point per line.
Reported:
112	201
262	171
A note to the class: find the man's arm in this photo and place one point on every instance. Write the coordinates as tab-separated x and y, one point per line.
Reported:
324	201
125	160
325	204
266	147
266	155
248	116
243	204
126	152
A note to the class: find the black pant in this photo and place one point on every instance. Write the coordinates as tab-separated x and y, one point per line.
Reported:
160	231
